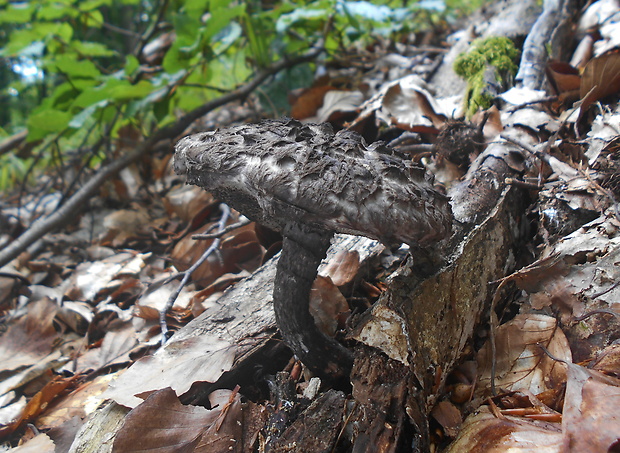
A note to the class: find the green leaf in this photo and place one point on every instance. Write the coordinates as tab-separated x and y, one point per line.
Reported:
54	12
96	94
127	91
61	97
161	109
92	18
175	60
90	5
45	122
92	49
17	13
285	21
197	6
131	64
221	18
78	120
186	28
227	37
47	30
69	65
22	40
18	41
352	20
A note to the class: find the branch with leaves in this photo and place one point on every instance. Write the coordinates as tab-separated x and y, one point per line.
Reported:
64	214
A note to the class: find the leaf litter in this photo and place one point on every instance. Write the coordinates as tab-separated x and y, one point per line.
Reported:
97	289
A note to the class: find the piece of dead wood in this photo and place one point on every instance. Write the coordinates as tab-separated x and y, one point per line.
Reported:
316	430
425	324
546	40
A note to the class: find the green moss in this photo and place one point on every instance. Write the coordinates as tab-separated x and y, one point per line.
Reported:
497	52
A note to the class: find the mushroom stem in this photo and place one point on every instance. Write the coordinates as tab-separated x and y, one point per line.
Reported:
303	248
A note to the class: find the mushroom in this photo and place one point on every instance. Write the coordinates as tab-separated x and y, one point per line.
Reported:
308	183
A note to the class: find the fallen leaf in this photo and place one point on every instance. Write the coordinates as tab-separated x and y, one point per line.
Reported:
226	434
521	365
178	365
343	267
448	416
326	303
30	338
41	443
591	416
162	424
483	432
38	403
600	78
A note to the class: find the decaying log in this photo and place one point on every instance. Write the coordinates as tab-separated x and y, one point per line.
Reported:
425	324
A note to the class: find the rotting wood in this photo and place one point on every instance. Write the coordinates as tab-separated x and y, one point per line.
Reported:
426	323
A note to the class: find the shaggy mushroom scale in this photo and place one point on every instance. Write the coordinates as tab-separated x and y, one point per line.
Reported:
308	182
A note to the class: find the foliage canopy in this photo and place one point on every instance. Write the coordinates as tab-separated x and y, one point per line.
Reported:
75	72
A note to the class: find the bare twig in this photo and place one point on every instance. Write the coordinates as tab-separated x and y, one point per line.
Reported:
221	225
222	232
64	214
600	311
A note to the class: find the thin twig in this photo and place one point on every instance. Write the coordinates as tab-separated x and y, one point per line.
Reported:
222	232
600	311
221	225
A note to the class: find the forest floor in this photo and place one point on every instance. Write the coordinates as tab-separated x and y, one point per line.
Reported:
536	364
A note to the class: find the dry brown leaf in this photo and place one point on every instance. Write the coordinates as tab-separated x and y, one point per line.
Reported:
186	201
162	424
38	403
38	444
92	280
79	403
583	53
387	332
178	365
326	303
239	249
608	361
115	349
338	104
563	77
307	104
11	407
343	267
483	432
448	416
226	434
521	365
411	106
29	339
591	416
600	78
155	299
124	224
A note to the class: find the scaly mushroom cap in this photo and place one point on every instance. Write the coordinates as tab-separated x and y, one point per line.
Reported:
279	171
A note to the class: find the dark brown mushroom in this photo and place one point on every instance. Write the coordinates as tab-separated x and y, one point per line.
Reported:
308	182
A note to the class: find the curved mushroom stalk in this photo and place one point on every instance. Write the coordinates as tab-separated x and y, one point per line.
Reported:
308	182
302	251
